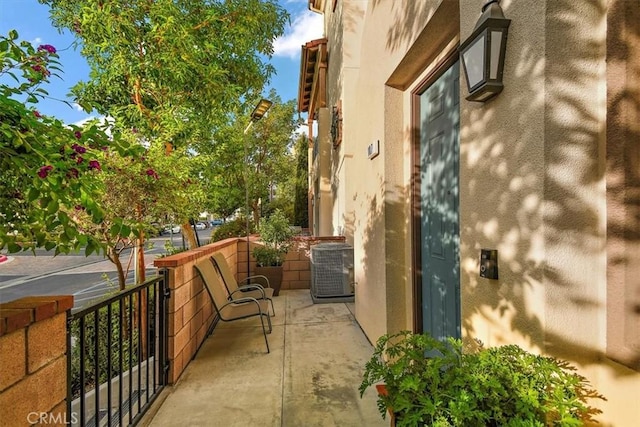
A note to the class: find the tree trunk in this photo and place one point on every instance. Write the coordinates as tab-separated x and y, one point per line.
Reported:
141	267
255	209
114	257
189	235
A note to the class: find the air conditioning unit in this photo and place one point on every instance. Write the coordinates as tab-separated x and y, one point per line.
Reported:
332	273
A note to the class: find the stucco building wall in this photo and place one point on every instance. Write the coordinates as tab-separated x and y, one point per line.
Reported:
532	175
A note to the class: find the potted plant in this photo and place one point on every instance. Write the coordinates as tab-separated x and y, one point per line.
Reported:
276	235
433	383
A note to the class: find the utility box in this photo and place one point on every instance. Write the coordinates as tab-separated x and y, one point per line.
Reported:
332	277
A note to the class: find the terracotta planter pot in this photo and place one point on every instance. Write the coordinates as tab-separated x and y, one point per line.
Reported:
382	391
274	274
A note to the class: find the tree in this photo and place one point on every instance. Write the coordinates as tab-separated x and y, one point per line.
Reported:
138	191
171	69
269	162
301	203
47	168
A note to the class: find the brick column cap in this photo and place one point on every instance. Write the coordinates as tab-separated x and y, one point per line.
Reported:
22	312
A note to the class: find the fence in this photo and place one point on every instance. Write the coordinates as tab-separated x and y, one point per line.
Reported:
117	356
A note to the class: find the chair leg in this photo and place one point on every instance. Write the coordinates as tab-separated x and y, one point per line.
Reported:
269	320
273	310
264	332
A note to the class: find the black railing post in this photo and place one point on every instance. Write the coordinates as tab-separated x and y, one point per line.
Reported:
70	416
164	318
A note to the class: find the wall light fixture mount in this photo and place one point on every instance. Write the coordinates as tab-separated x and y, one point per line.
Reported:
483	53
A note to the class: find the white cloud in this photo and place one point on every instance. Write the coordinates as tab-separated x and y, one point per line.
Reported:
77	107
305	27
36	41
84	121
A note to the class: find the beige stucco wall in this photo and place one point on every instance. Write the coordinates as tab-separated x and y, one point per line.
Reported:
374	211
502	185
532	183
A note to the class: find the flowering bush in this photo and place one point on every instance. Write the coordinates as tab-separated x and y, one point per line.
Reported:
47	168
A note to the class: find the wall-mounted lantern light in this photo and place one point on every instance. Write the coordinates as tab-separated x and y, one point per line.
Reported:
483	53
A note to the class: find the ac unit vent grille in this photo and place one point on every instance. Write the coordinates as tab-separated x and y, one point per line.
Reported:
331	270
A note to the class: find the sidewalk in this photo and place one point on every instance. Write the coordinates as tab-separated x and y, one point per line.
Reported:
310	378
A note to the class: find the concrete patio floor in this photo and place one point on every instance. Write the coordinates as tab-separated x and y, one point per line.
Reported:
310	378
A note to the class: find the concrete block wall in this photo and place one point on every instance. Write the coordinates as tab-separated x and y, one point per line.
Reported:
297	265
33	362
190	311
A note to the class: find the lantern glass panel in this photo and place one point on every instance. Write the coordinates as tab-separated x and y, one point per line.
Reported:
496	41
474	61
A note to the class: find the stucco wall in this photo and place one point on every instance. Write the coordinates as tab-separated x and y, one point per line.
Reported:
372	196
502	184
532	181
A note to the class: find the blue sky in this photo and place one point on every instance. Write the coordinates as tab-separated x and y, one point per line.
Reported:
31	20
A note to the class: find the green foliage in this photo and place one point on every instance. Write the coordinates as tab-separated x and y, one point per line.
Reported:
171	249
436	383
171	69
48	169
276	234
266	164
233	228
301	191
119	325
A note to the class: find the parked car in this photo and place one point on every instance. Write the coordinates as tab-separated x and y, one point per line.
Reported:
216	222
175	229
201	226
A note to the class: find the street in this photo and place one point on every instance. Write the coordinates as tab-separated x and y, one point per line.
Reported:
86	278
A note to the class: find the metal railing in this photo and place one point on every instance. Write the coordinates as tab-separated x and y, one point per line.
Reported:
117	356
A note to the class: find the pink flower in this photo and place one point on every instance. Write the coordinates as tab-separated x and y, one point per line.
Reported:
44	171
37	68
73	173
79	159
151	172
79	207
78	134
79	149
37	114
47	47
94	164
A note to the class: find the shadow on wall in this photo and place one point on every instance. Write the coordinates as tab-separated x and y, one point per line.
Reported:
383	243
539	237
408	19
539	222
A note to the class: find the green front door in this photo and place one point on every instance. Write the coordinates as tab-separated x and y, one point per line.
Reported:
439	223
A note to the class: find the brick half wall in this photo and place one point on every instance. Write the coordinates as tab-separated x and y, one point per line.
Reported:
33	361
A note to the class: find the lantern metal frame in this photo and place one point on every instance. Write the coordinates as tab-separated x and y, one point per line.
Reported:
489	34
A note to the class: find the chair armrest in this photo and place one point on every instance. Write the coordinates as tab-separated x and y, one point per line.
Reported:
259	276
249	288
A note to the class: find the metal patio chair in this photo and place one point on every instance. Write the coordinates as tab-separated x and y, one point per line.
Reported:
239	290
236	309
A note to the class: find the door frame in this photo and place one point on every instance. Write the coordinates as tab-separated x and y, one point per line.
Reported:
416	246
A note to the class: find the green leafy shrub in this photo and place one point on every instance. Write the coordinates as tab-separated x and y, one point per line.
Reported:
435	383
114	355
276	234
234	228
